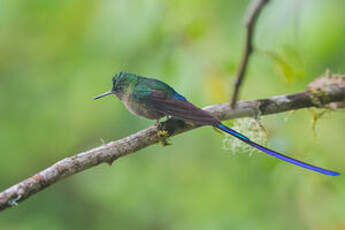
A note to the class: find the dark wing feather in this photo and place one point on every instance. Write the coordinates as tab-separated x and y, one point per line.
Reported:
181	109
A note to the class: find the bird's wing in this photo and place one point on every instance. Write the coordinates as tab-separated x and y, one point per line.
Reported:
177	106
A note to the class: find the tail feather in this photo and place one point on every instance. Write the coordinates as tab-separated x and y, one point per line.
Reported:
273	153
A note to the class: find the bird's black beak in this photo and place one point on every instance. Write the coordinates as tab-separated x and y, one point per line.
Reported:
103	95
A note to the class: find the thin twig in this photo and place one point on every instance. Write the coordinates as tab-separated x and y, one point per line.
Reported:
252	14
111	151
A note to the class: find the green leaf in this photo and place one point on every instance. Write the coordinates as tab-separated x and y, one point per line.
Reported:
288	62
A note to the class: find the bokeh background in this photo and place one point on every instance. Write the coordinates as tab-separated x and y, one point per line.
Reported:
56	55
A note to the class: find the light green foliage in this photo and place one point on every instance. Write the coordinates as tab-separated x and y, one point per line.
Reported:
315	116
55	56
288	63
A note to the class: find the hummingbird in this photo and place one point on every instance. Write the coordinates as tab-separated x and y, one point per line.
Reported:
153	99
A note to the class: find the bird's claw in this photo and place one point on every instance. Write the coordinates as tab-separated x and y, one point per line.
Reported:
163	136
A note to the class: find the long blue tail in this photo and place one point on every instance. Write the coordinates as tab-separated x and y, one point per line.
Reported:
273	153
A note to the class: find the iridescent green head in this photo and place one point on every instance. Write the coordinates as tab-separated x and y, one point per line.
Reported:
121	83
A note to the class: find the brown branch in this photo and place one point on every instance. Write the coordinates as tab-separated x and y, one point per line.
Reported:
111	151
252	14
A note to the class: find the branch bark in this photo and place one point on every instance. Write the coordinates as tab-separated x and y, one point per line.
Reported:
252	15
111	151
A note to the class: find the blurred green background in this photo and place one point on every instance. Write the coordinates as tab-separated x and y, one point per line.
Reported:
56	55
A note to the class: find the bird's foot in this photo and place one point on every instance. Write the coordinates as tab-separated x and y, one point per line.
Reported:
163	136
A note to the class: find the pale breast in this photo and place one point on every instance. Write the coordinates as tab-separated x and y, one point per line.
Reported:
140	109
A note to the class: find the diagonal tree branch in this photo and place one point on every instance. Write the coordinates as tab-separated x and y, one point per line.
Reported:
107	153
252	15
